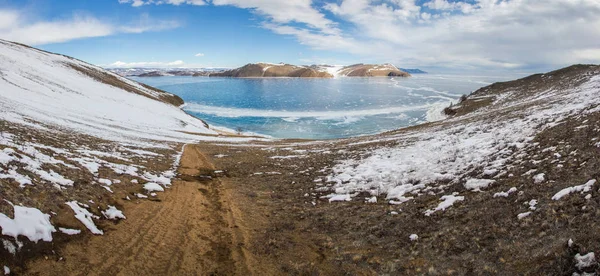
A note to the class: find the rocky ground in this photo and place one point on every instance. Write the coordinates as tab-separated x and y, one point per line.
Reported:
517	225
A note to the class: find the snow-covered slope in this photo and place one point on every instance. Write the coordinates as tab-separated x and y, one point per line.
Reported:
473	149
74	139
49	89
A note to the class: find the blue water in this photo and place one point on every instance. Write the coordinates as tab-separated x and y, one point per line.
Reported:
319	108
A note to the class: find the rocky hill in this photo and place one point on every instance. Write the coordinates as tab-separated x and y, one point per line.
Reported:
372	70
413	71
258	70
164	72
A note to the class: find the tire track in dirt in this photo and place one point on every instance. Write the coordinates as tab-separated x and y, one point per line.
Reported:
195	230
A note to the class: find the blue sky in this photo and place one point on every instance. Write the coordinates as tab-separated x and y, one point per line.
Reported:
447	35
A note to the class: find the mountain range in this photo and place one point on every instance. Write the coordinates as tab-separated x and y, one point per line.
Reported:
264	69
260	70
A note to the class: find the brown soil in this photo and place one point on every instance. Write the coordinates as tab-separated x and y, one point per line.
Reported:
195	229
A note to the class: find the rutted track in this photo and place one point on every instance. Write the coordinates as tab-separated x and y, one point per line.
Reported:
194	230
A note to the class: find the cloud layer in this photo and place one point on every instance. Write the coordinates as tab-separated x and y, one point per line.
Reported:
16	27
138	3
474	33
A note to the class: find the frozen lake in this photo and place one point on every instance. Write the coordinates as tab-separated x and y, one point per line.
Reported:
320	108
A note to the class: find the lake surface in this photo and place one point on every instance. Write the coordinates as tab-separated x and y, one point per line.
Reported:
319	108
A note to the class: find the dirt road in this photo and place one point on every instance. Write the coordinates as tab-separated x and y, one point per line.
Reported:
194	230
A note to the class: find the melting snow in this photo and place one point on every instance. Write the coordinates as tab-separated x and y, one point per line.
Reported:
113	213
105	181
477	184
539	178
85	217
523	215
532	204
153	187
584	188
585	261
507	193
345	197
28	222
69	231
447	201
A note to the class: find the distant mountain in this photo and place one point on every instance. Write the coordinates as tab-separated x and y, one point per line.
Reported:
262	69
162	72
270	70
413	71
372	70
259	70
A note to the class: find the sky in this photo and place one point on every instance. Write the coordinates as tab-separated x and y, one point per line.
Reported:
439	35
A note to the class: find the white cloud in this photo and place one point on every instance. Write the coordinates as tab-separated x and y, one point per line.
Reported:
138	3
445	5
487	33
276	11
447	33
151	64
15	27
199	55
281	12
147	24
12	28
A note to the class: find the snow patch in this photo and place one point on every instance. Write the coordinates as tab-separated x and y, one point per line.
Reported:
113	213
28	222
539	178
584	188
345	197
507	193
85	217
476	185
69	231
447	201
585	261
153	187
523	215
